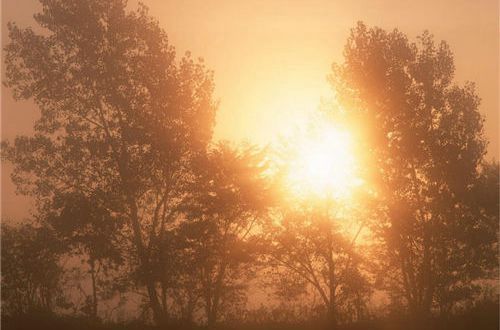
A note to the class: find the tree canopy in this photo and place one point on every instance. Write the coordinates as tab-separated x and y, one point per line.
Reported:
129	182
121	117
424	137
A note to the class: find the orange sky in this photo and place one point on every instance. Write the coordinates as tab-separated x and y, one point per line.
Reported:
271	57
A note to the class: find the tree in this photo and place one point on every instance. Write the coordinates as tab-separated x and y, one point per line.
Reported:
423	136
121	118
229	197
475	231
31	273
310	250
90	231
181	282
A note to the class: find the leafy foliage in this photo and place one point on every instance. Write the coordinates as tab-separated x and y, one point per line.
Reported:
31	272
424	137
121	118
127	179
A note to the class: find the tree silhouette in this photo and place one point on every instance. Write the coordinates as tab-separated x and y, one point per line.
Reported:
475	232
310	250
423	135
121	119
127	180
223	212
89	231
31	272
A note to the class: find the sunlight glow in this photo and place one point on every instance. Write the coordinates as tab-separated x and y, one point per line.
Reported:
323	164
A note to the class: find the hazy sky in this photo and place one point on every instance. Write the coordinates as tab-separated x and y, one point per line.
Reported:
271	57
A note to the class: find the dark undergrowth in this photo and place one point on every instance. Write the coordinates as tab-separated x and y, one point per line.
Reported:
484	317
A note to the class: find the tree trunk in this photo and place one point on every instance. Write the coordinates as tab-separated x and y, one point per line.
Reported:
164	298
95	302
331	279
331	269
211	318
213	310
209	306
154	300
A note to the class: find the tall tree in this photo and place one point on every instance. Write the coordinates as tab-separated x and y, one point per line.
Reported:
230	195
121	118
424	138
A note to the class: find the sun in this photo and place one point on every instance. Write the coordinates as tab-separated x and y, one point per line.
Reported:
323	163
